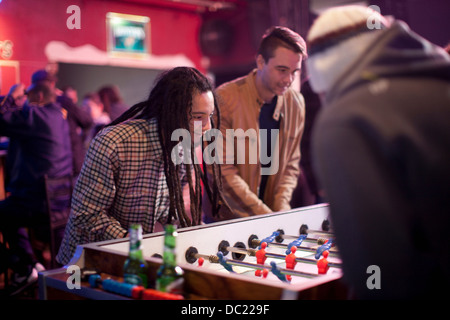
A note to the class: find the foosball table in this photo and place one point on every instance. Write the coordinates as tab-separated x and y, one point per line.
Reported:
283	255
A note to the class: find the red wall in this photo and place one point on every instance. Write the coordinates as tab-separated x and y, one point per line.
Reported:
31	24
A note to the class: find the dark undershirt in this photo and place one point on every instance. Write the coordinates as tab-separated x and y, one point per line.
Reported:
267	122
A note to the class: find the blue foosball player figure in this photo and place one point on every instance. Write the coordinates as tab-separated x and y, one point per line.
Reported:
277	272
223	262
270	238
296	243
325	247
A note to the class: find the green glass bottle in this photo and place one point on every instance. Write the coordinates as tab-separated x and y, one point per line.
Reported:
135	269
169	275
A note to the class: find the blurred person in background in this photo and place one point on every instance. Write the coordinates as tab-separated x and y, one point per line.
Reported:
100	117
78	118
39	138
112	101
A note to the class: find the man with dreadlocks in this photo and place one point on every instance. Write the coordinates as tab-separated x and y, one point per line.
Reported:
129	175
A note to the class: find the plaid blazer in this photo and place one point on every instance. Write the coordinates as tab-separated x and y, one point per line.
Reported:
122	182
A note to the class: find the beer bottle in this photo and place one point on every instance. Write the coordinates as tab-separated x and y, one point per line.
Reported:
169	275
135	269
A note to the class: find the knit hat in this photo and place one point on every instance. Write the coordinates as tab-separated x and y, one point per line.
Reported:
336	39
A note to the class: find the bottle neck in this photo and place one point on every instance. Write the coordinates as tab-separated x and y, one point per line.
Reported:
136	254
135	243
169	254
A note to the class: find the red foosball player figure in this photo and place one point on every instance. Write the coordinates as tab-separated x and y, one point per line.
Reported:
291	261
260	257
265	272
322	264
200	261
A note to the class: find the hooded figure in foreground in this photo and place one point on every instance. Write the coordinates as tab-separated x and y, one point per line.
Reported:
382	151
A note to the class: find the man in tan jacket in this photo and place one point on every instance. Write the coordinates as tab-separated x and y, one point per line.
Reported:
262	120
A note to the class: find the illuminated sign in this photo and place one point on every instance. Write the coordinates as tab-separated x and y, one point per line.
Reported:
6	50
128	34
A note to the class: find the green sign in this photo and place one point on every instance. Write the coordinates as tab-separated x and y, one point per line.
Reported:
128	34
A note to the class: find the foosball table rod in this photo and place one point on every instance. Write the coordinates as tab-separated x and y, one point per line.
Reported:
252	253
227	263
302	260
192	255
255	242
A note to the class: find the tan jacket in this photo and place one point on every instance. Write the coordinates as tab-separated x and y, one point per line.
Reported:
240	107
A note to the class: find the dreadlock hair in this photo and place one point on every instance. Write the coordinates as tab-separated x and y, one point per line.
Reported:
170	102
